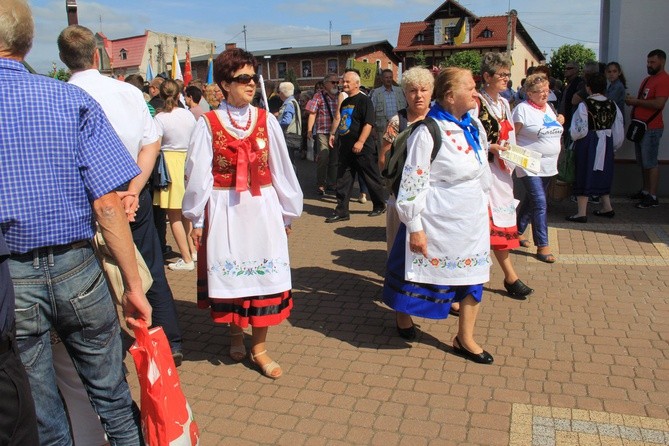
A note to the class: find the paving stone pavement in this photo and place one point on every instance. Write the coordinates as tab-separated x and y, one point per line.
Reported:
583	361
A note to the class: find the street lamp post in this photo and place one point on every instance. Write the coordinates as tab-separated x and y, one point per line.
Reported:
71	9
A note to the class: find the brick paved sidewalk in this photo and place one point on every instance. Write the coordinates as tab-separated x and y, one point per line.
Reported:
584	360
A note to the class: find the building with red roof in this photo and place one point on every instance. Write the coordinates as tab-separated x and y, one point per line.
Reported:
130	55
452	28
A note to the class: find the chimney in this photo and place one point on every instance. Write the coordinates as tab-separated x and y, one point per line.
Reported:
230	46
346	39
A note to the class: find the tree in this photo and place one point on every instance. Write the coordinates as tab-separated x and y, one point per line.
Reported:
421	59
567	53
62	75
469	59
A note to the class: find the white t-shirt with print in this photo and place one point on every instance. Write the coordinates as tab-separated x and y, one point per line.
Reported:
540	132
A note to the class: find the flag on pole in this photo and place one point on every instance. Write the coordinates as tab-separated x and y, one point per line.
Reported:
210	70
176	68
188	71
149	72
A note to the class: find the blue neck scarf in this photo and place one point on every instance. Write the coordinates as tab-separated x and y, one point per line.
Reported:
468	127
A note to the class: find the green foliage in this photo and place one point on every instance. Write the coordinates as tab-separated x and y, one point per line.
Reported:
421	59
565	54
62	75
469	59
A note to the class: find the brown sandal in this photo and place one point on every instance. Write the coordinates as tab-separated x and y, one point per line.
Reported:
267	369
238	352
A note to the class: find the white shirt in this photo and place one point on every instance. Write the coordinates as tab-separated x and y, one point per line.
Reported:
124	106
175	128
540	132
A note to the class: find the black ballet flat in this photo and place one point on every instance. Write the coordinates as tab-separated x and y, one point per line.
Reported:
481	358
518	289
609	214
407	333
577	219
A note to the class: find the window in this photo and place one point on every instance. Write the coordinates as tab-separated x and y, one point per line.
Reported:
306	68
333	66
487	33
420	37
123	54
378	65
281	68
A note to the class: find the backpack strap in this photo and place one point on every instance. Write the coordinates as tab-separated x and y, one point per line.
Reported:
404	119
435	132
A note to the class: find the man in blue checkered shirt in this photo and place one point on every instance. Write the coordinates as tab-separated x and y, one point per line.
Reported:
60	162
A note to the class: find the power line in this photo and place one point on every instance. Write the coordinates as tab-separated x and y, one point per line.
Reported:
559	35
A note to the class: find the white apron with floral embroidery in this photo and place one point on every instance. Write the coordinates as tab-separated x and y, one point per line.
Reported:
448	199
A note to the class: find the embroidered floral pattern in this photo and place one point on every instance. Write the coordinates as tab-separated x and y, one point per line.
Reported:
414	179
449	263
232	268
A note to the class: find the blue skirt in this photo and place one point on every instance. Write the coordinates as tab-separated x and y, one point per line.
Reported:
420	299
588	181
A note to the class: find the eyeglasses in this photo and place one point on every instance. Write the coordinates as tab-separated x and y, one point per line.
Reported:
503	75
334	82
246	79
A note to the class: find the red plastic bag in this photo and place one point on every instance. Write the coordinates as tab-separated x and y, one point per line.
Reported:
167	419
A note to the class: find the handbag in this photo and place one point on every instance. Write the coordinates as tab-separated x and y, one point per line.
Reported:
167	419
637	127
567	164
113	272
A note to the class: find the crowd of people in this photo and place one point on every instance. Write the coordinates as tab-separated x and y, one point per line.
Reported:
219	166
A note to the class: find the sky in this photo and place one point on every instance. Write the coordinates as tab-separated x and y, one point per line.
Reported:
278	24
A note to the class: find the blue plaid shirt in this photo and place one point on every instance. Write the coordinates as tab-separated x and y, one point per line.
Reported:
58	153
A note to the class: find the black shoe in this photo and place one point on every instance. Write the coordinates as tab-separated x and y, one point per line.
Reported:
648	202
453	312
594	199
609	214
518	288
482	358
178	357
377	212
577	219
320	191
337	218
638	196
407	333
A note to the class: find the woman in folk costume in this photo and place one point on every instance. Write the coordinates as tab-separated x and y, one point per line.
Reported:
441	253
495	115
242	195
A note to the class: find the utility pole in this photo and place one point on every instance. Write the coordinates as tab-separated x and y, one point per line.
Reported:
71	9
330	32
244	31
509	31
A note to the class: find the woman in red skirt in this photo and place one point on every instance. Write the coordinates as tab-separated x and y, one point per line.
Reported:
242	195
495	114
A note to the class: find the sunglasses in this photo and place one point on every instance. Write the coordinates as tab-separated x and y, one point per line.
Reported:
245	79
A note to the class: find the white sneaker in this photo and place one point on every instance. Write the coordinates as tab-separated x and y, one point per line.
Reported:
180	265
363	198
194	256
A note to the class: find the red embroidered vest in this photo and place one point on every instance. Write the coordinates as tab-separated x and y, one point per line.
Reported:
240	163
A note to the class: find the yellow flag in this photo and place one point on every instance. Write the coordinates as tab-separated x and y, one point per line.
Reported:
461	29
367	72
176	68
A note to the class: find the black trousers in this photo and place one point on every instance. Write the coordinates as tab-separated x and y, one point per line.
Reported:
160	222
145	236
18	422
364	164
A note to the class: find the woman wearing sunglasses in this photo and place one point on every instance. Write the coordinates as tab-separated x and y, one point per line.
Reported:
242	195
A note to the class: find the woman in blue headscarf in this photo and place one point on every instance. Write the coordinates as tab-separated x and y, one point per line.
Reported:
442	251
